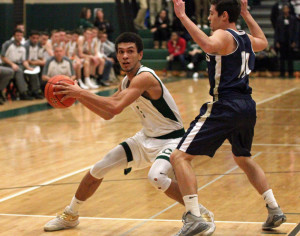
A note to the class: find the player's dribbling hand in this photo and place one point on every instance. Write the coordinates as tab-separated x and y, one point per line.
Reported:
70	91
179	8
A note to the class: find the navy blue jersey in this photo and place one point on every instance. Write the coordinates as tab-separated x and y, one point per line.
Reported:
229	74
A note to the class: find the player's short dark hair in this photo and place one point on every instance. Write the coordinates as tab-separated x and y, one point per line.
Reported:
34	32
18	31
232	7
130	37
45	33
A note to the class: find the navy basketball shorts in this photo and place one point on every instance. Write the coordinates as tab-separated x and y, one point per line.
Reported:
224	119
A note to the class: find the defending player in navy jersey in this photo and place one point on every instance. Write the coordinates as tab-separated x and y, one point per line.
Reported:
232	113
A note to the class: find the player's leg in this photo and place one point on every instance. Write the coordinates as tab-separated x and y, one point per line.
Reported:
257	178
204	136
115	159
86	73
241	140
158	176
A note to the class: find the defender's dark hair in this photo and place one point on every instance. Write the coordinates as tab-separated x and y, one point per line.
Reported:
129	37
232	7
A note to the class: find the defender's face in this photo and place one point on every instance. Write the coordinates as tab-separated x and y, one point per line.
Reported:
128	56
214	19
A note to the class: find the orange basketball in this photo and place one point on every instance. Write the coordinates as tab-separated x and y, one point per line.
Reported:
54	100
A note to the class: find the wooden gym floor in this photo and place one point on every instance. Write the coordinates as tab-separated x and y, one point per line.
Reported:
44	154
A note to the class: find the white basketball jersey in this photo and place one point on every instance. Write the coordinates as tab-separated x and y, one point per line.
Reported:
159	117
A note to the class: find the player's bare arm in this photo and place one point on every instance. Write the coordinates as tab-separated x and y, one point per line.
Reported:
215	44
257	37
111	106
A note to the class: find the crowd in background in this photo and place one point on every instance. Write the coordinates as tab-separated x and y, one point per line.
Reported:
85	54
88	53
168	33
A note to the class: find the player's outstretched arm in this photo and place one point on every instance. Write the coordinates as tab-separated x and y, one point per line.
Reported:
108	107
207	44
257	37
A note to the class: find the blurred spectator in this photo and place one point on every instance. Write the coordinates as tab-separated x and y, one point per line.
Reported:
110	52
140	17
45	50
176	48
201	13
285	39
33	48
277	10
296	6
55	39
195	55
33	61
155	7
180	29
85	16
13	55
161	30
72	54
20	26
88	50
103	78
57	65
6	74
170	9
102	24
266	61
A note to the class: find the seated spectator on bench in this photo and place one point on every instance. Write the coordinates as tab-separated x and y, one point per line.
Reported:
195	55
176	48
6	74
13	55
161	30
266	61
57	65
32	57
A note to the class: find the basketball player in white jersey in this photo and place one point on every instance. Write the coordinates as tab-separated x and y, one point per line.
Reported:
162	129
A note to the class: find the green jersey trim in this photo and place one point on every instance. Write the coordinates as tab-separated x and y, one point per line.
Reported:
161	104
175	134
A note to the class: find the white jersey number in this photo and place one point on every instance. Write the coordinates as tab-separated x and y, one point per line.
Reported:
245	67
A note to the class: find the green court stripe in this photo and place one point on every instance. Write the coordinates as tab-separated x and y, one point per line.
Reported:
41	107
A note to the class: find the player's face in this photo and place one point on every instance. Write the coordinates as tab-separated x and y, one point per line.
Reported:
214	19
128	56
34	39
75	37
58	53
44	39
55	37
18	37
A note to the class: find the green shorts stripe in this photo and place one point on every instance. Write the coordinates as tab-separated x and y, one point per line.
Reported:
163	157
128	155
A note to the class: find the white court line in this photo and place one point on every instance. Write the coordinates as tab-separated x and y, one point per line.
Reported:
78	171
45	183
271	144
276	96
131	219
202	187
